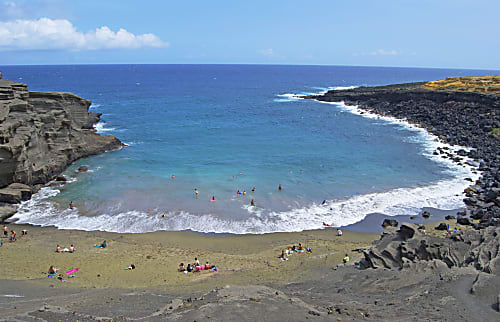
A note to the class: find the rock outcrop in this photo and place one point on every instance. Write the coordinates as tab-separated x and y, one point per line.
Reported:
456	116
402	248
41	134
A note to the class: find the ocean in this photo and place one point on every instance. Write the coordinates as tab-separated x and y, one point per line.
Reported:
227	128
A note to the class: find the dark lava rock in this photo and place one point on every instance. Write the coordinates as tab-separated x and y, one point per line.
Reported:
390	223
441	226
426	214
449	217
463	221
456	117
82	169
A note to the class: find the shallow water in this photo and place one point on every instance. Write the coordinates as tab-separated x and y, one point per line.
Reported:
224	128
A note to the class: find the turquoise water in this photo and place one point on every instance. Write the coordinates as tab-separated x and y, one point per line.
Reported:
224	128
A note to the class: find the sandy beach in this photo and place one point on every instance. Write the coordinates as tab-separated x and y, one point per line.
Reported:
240	259
250	274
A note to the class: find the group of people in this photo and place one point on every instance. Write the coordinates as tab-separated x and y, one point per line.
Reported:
71	249
13	234
450	233
196	267
294	249
238	193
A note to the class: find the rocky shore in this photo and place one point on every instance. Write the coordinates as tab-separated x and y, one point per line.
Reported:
468	117
41	134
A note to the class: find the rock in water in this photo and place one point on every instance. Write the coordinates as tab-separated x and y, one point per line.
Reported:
41	134
390	223
82	169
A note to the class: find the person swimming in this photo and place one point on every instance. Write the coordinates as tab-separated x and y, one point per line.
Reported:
238	192
213	198
253	189
279	187
244	192
71	205
196	192
252	203
324	202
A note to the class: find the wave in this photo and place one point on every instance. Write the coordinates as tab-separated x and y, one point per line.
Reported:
100	127
446	194
289	97
94	105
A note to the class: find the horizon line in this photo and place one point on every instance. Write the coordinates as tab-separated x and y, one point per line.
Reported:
247	64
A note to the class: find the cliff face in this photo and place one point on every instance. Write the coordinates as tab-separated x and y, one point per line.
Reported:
457	116
41	134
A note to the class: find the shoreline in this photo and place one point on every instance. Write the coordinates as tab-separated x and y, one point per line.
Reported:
457	125
430	144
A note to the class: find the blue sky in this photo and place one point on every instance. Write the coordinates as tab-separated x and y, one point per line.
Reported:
439	33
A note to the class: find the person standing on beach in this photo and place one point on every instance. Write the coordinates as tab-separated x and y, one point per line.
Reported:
5	231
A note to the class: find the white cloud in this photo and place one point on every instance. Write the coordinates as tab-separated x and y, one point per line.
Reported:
383	52
266	52
46	33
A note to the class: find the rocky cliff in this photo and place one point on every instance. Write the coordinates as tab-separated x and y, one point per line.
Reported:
457	116
41	134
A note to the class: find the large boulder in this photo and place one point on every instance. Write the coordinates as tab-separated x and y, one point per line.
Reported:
464	221
9	195
7	211
441	226
390	223
26	190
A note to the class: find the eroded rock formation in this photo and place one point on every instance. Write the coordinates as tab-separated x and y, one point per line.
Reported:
400	248
41	134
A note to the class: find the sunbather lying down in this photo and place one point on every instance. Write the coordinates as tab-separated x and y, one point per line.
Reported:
131	267
103	245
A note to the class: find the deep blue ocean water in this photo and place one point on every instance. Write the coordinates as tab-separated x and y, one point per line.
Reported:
224	128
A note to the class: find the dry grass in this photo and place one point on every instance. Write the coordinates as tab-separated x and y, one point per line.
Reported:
481	84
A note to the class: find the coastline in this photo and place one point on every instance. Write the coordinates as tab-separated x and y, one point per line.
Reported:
465	125
251	283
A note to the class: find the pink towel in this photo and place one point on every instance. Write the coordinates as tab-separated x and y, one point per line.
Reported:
72	271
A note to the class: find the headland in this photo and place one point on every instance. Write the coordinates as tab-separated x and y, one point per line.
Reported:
41	134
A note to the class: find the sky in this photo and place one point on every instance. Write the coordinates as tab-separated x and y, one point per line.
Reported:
401	33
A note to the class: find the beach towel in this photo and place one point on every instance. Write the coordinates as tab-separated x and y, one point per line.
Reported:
72	271
98	246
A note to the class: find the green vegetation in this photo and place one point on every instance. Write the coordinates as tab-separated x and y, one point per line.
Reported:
495	132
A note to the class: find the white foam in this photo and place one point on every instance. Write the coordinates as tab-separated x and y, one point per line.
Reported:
94	105
445	194
100	127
